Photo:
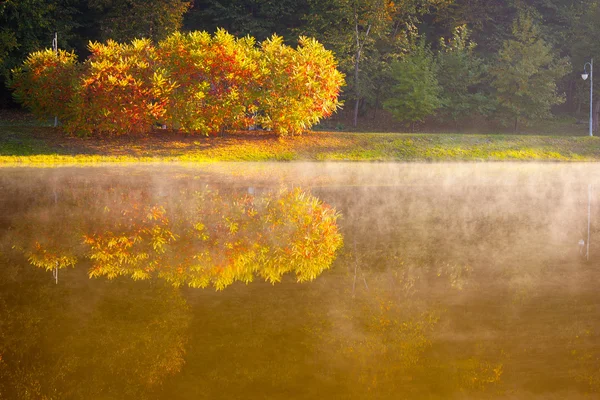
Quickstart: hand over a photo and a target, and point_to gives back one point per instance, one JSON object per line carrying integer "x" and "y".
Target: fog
{"x": 339, "y": 280}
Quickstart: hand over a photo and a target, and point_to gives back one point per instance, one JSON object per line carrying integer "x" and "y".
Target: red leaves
{"x": 193, "y": 82}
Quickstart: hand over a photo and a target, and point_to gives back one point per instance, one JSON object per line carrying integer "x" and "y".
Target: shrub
{"x": 218, "y": 79}
{"x": 303, "y": 85}
{"x": 195, "y": 82}
{"x": 121, "y": 90}
{"x": 44, "y": 84}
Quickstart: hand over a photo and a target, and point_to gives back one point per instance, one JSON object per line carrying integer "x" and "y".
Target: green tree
{"x": 461, "y": 75}
{"x": 526, "y": 73}
{"x": 366, "y": 36}
{"x": 584, "y": 45}
{"x": 416, "y": 91}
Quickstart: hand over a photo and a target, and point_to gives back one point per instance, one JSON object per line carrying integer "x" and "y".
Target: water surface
{"x": 299, "y": 280}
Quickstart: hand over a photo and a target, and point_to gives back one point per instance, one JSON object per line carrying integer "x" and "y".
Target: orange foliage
{"x": 221, "y": 241}
{"x": 303, "y": 85}
{"x": 122, "y": 90}
{"x": 195, "y": 82}
{"x": 218, "y": 79}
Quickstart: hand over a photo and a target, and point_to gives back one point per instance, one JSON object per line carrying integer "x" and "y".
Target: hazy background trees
{"x": 474, "y": 45}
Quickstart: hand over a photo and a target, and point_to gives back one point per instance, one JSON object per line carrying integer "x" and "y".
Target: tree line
{"x": 514, "y": 61}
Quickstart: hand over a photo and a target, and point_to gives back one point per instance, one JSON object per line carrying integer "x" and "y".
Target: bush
{"x": 122, "y": 90}
{"x": 195, "y": 82}
{"x": 303, "y": 85}
{"x": 45, "y": 82}
{"x": 218, "y": 79}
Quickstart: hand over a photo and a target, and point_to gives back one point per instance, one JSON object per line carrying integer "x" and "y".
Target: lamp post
{"x": 55, "y": 48}
{"x": 585, "y": 76}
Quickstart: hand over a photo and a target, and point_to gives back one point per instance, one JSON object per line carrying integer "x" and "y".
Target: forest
{"x": 448, "y": 62}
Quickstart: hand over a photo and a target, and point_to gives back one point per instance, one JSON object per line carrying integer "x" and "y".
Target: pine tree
{"x": 526, "y": 73}
{"x": 416, "y": 92}
{"x": 461, "y": 77}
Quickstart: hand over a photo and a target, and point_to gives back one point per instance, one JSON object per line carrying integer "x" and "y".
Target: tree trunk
{"x": 376, "y": 105}
{"x": 516, "y": 125}
{"x": 359, "y": 46}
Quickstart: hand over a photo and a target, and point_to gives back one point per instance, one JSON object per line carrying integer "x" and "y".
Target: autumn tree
{"x": 45, "y": 83}
{"x": 121, "y": 90}
{"x": 301, "y": 85}
{"x": 218, "y": 80}
{"x": 526, "y": 73}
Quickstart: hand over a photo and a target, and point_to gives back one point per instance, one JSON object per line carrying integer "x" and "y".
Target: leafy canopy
{"x": 416, "y": 91}
{"x": 526, "y": 73}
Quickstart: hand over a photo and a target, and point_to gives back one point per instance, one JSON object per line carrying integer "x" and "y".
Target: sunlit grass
{"x": 45, "y": 146}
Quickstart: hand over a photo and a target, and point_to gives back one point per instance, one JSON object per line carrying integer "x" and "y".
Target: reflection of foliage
{"x": 222, "y": 241}
{"x": 121, "y": 345}
{"x": 135, "y": 340}
{"x": 209, "y": 239}
{"x": 391, "y": 345}
{"x": 50, "y": 260}
{"x": 588, "y": 361}
{"x": 136, "y": 249}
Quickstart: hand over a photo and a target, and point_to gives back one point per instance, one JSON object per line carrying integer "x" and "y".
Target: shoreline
{"x": 31, "y": 146}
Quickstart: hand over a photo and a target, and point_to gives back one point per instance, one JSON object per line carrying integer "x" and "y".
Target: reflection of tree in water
{"x": 205, "y": 238}
{"x": 384, "y": 343}
{"x": 116, "y": 341}
{"x": 584, "y": 350}
{"x": 505, "y": 280}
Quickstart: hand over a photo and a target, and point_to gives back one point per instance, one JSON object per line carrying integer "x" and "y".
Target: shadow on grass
{"x": 19, "y": 141}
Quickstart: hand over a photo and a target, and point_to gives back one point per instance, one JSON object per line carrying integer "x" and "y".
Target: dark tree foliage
{"x": 124, "y": 20}
{"x": 257, "y": 18}
{"x": 26, "y": 26}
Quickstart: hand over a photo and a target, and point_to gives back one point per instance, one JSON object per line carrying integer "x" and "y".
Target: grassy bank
{"x": 40, "y": 145}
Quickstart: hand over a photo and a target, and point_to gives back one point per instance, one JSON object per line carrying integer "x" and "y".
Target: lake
{"x": 300, "y": 281}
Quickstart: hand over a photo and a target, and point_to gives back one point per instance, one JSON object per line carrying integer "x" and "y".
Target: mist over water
{"x": 391, "y": 281}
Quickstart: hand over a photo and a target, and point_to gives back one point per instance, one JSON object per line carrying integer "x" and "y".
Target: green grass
{"x": 28, "y": 145}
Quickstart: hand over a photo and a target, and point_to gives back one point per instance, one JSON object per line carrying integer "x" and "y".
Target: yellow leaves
{"x": 226, "y": 240}
{"x": 49, "y": 260}
{"x": 198, "y": 82}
